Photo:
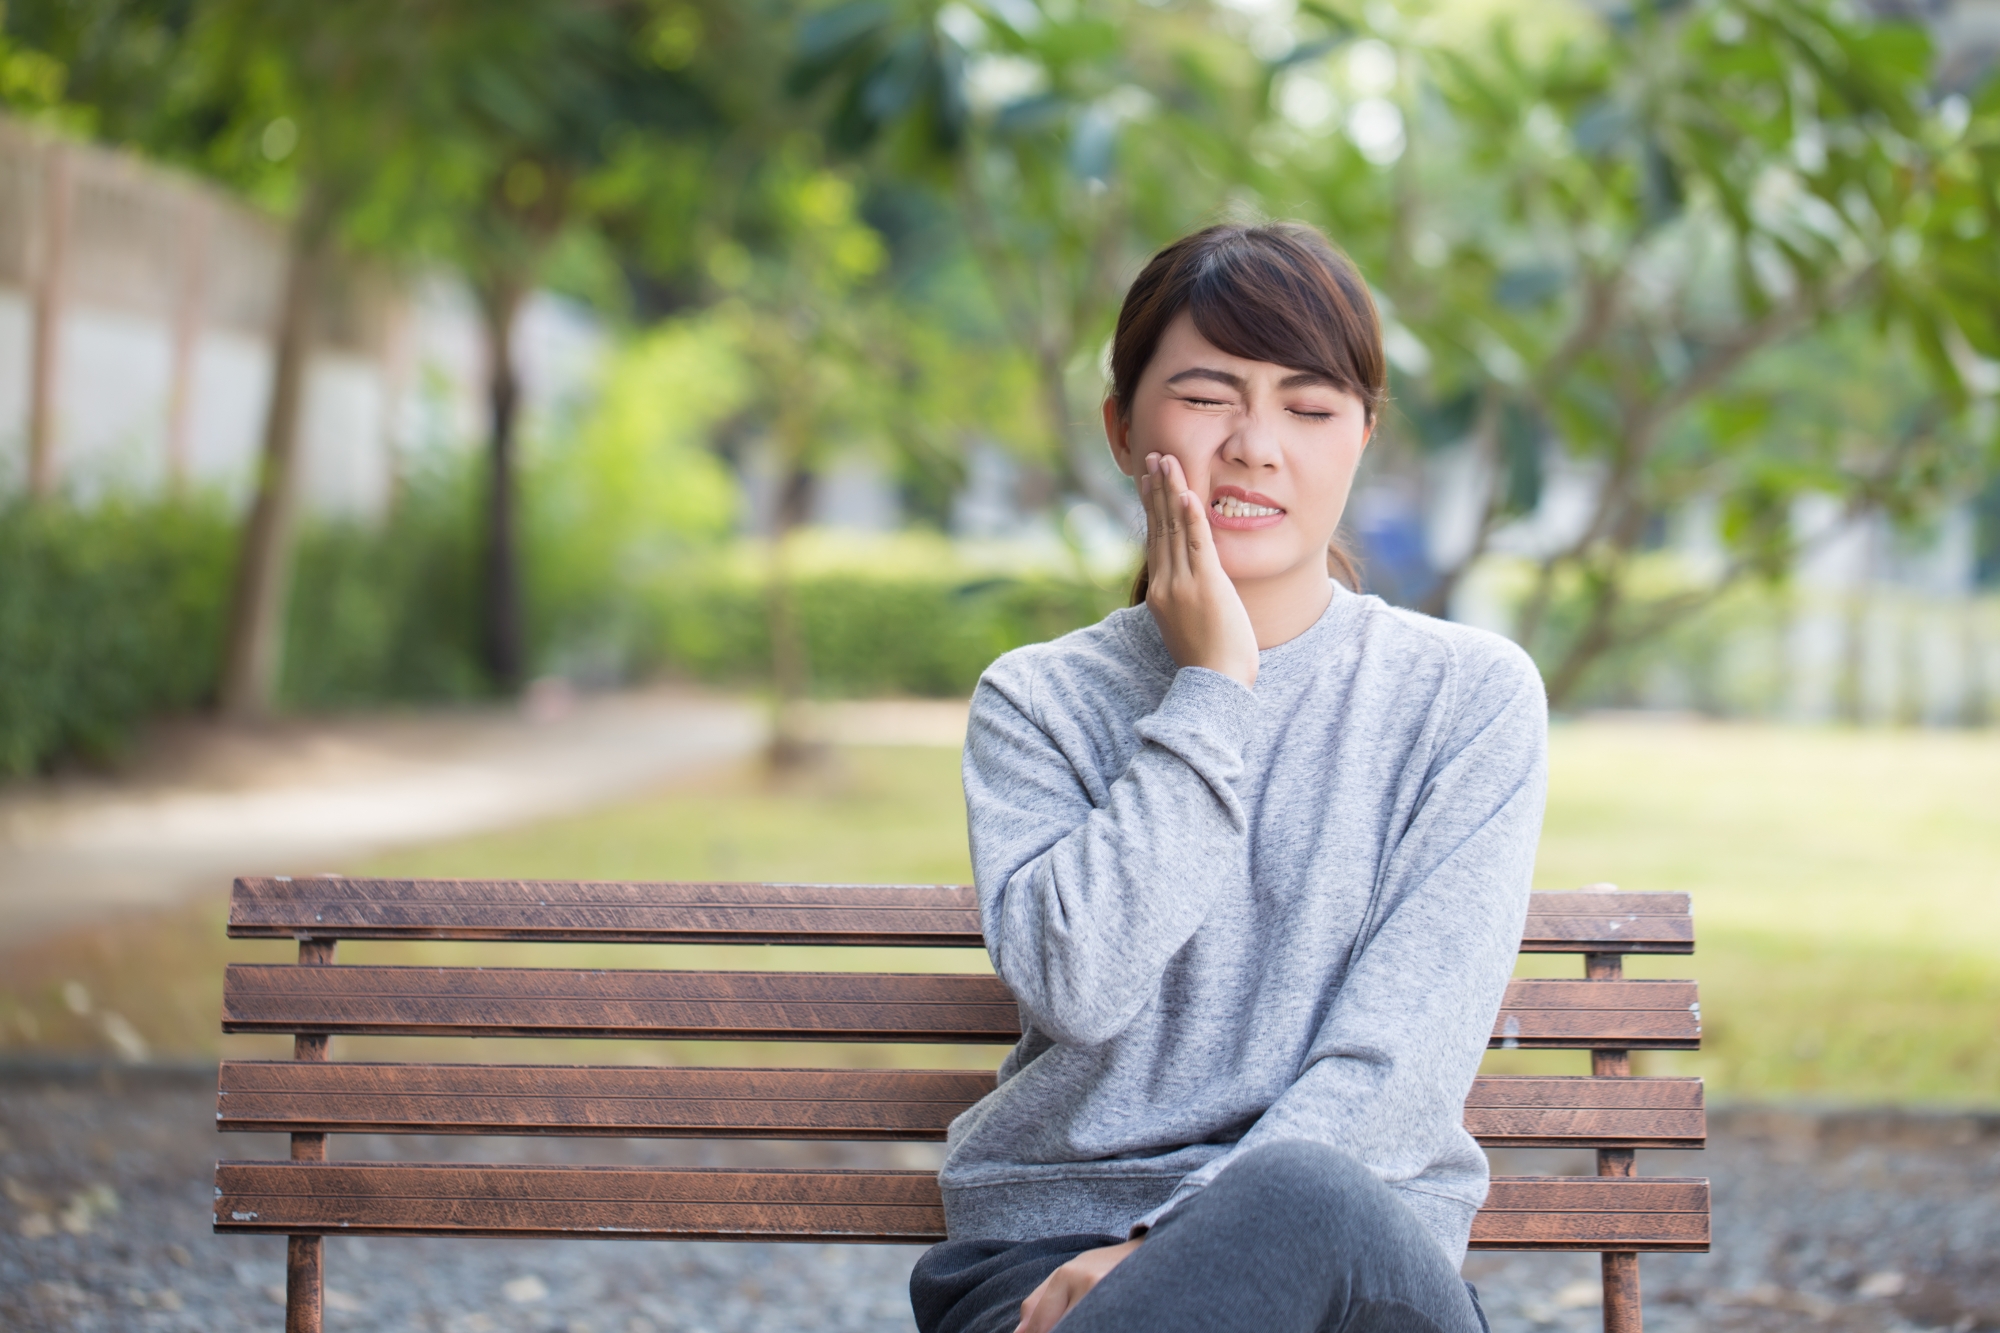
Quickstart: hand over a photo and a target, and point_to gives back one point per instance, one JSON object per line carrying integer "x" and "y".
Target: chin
{"x": 1249, "y": 561}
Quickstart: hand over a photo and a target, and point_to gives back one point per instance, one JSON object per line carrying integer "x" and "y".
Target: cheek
{"x": 1325, "y": 475}
{"x": 1178, "y": 434}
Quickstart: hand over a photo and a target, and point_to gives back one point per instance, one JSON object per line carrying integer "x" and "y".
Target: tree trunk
{"x": 253, "y": 654}
{"x": 504, "y": 625}
{"x": 1597, "y": 637}
{"x": 792, "y": 744}
{"x": 50, "y": 296}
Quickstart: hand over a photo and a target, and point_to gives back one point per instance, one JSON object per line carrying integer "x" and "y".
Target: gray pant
{"x": 1292, "y": 1238}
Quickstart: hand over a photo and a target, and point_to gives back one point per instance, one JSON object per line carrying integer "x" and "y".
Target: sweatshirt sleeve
{"x": 1386, "y": 1076}
{"x": 1083, "y": 901}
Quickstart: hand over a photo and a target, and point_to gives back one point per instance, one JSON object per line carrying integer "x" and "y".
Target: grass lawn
{"x": 1846, "y": 893}
{"x": 1847, "y": 901}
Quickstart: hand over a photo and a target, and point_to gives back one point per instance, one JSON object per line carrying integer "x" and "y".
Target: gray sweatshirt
{"x": 1234, "y": 917}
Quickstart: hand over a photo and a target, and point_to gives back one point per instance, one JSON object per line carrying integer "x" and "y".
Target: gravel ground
{"x": 1849, "y": 1221}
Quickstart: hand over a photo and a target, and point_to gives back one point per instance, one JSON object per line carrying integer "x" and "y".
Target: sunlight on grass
{"x": 1846, "y": 895}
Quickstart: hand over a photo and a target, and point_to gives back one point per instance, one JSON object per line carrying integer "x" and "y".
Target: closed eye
{"x": 1309, "y": 415}
{"x": 1204, "y": 402}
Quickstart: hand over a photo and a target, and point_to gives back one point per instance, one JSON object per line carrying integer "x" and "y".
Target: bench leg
{"x": 1621, "y": 1293}
{"x": 305, "y": 1271}
{"x": 303, "y": 1283}
{"x": 1621, "y": 1267}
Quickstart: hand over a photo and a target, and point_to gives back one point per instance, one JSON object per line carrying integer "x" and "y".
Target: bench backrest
{"x": 315, "y": 1000}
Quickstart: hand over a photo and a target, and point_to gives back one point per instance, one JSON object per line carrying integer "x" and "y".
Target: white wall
{"x": 398, "y": 367}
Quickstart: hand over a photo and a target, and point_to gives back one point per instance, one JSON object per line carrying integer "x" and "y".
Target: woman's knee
{"x": 1298, "y": 1176}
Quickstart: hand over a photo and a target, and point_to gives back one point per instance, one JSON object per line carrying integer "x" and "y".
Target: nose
{"x": 1253, "y": 444}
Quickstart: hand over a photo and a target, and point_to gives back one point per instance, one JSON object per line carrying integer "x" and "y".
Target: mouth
{"x": 1239, "y": 510}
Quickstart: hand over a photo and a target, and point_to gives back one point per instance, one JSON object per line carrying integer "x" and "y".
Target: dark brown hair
{"x": 1281, "y": 293}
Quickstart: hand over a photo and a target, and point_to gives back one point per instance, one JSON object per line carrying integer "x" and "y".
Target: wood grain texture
{"x": 1593, "y": 1213}
{"x": 1622, "y": 1310}
{"x": 637, "y": 912}
{"x": 578, "y": 1201}
{"x": 1578, "y": 1112}
{"x": 560, "y": 1002}
{"x": 1608, "y": 923}
{"x": 402, "y": 1199}
{"x": 586, "y": 1101}
{"x": 819, "y": 1006}
{"x": 849, "y": 1104}
{"x": 729, "y": 913}
{"x": 1587, "y": 1015}
{"x": 305, "y": 1284}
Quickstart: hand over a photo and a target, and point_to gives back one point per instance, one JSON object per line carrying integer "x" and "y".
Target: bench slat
{"x": 1571, "y": 1014}
{"x": 821, "y": 1006}
{"x": 406, "y": 1199}
{"x": 1593, "y": 1213}
{"x": 853, "y": 1104}
{"x": 559, "y": 1002}
{"x": 1608, "y": 923}
{"x": 843, "y": 914}
{"x": 624, "y": 1101}
{"x": 1561, "y": 1111}
{"x": 648, "y": 912}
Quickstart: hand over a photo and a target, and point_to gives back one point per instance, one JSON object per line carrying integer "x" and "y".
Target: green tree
{"x": 540, "y": 96}
{"x": 298, "y": 106}
{"x": 1071, "y": 141}
{"x": 1600, "y": 236}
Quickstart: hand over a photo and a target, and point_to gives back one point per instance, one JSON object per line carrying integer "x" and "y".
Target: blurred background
{"x": 538, "y": 438}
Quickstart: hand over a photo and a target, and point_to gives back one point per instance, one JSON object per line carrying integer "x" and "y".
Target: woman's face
{"x": 1270, "y": 449}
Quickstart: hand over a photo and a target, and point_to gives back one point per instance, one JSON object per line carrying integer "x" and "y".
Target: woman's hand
{"x": 1069, "y": 1284}
{"x": 1192, "y": 600}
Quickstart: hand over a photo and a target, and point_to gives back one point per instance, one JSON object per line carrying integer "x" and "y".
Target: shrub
{"x": 388, "y": 611}
{"x": 865, "y": 632}
{"x": 116, "y": 613}
{"x": 107, "y": 615}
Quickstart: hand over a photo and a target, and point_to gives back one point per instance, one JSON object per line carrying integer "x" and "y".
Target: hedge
{"x": 113, "y": 614}
{"x": 865, "y": 634}
{"x": 106, "y": 616}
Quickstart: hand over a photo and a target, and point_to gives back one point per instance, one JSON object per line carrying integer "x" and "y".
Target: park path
{"x": 200, "y": 803}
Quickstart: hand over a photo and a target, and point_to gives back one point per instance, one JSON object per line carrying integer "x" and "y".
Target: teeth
{"x": 1231, "y": 507}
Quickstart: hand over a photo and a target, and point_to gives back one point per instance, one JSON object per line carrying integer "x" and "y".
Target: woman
{"x": 1253, "y": 854}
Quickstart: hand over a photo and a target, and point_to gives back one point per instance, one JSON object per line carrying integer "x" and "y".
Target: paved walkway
{"x": 202, "y": 803}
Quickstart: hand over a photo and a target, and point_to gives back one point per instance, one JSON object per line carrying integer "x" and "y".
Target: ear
{"x": 1118, "y": 434}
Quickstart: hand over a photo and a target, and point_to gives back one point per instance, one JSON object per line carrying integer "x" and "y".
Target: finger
{"x": 1029, "y": 1306}
{"x": 1170, "y": 505}
{"x": 1050, "y": 1309}
{"x": 1149, "y": 500}
{"x": 1145, "y": 484}
{"x": 1159, "y": 526}
{"x": 1183, "y": 520}
{"x": 1200, "y": 536}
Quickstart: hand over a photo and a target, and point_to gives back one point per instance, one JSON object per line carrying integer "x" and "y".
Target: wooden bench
{"x": 308, "y": 1197}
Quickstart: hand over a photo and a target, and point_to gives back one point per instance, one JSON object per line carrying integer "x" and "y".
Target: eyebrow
{"x": 1299, "y": 379}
